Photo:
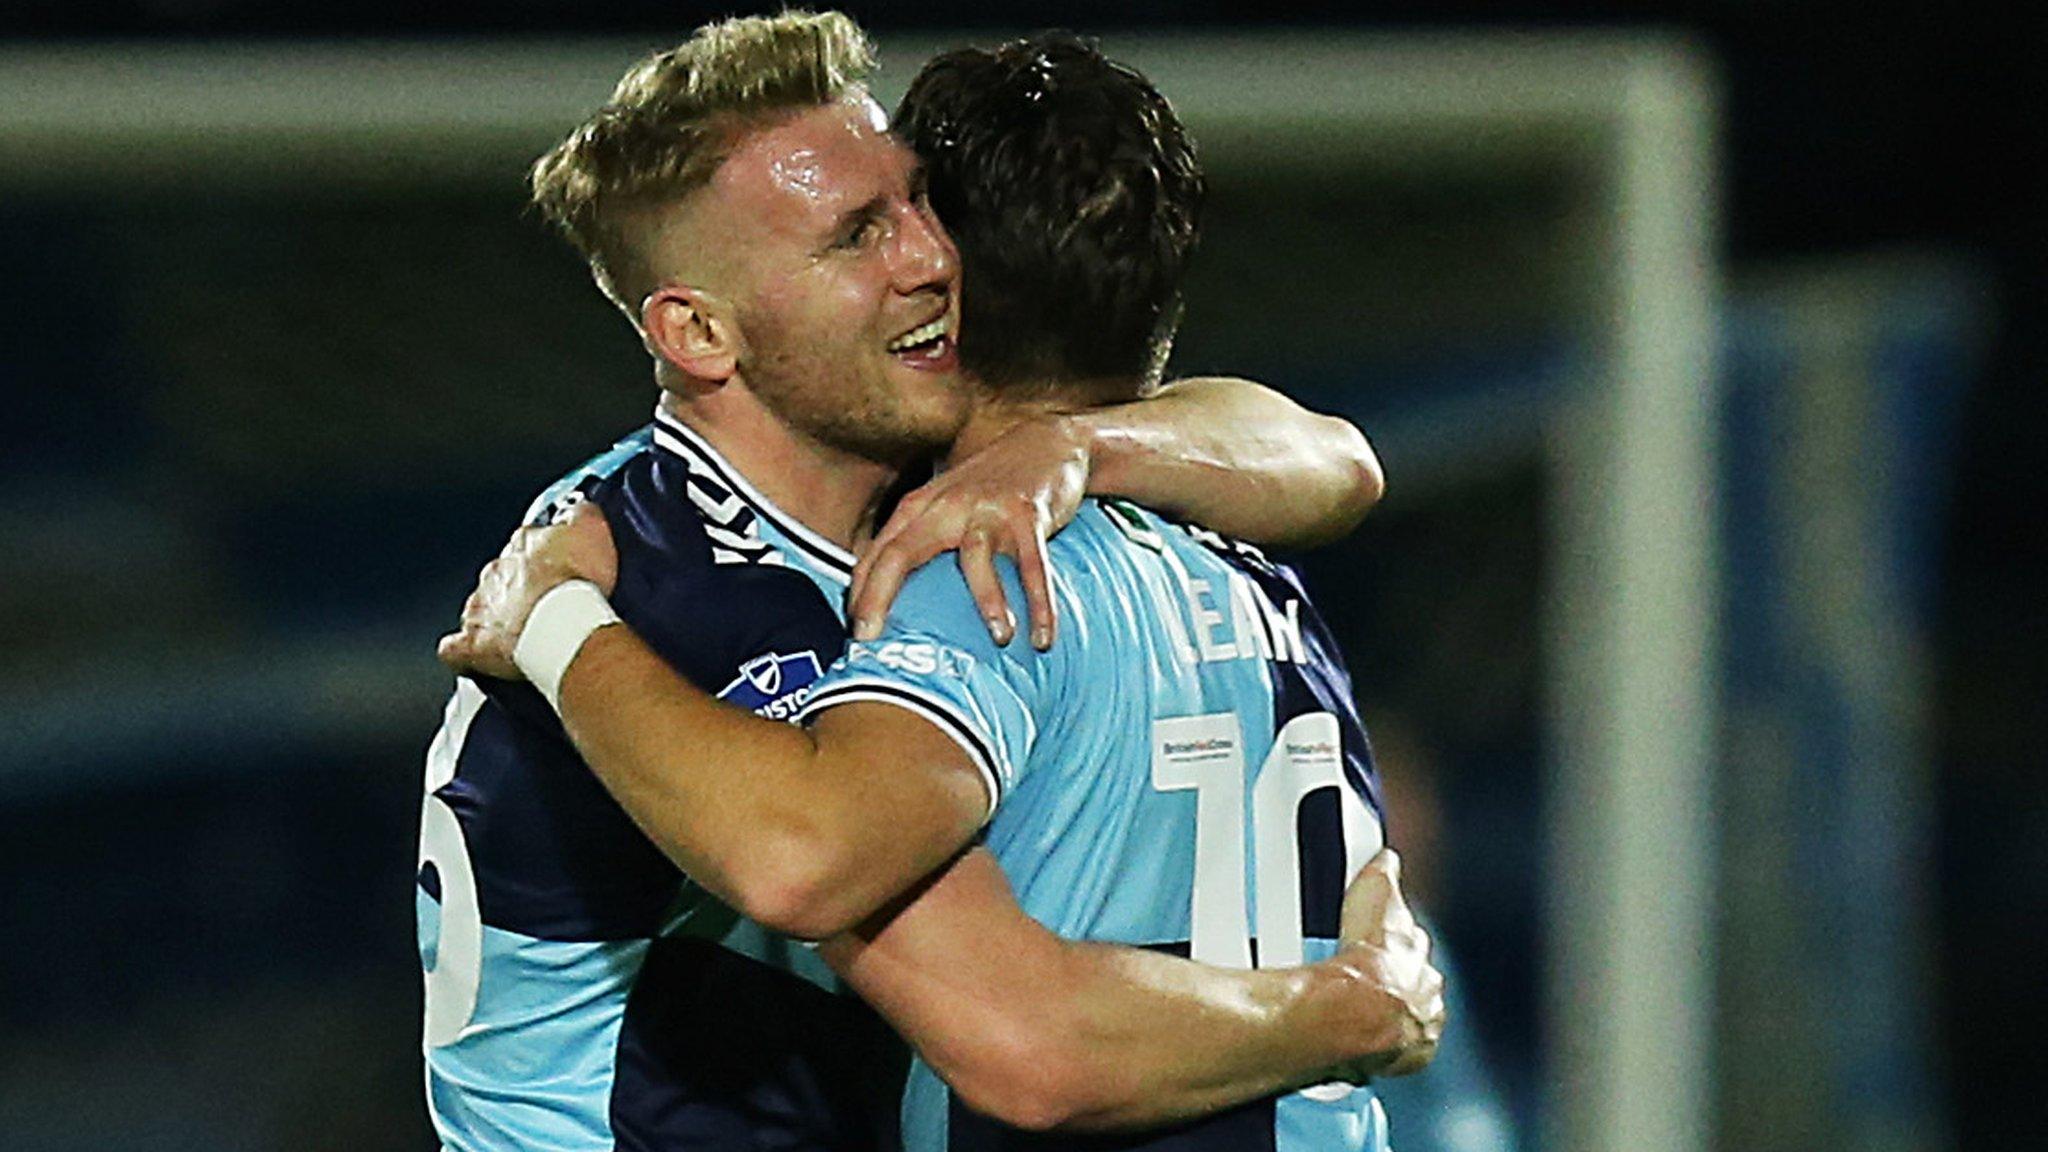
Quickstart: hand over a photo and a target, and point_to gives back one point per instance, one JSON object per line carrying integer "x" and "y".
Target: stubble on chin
{"x": 865, "y": 418}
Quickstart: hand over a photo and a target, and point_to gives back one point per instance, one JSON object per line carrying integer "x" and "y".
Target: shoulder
{"x": 661, "y": 538}
{"x": 1117, "y": 526}
{"x": 599, "y": 474}
{"x": 1228, "y": 548}
{"x": 1228, "y": 551}
{"x": 935, "y": 602}
{"x": 1112, "y": 536}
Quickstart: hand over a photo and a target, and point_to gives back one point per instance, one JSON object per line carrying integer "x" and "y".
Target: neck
{"x": 832, "y": 492}
{"x": 988, "y": 423}
{"x": 995, "y": 414}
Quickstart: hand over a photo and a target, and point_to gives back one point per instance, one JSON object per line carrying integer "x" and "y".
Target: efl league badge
{"x": 774, "y": 685}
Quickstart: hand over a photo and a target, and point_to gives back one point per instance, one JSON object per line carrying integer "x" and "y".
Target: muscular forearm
{"x": 1041, "y": 1032}
{"x": 755, "y": 810}
{"x": 1235, "y": 457}
{"x": 1169, "y": 1040}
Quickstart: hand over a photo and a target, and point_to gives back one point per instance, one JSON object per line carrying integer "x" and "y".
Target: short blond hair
{"x": 674, "y": 118}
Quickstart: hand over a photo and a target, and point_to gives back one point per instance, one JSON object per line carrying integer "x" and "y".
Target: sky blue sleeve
{"x": 935, "y": 658}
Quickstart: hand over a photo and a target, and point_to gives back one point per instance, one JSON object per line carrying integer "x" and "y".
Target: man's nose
{"x": 925, "y": 256}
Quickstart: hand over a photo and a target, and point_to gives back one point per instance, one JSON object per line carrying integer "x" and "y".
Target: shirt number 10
{"x": 1206, "y": 753}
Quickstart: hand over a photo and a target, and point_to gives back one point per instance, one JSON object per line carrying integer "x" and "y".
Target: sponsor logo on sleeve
{"x": 912, "y": 657}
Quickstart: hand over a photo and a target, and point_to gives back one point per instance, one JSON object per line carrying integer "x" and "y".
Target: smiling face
{"x": 844, "y": 286}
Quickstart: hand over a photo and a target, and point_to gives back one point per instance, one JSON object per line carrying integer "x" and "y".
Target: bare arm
{"x": 1238, "y": 458}
{"x": 1044, "y": 1033}
{"x": 1231, "y": 455}
{"x": 779, "y": 821}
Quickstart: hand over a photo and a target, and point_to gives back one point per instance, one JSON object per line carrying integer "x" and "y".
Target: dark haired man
{"x": 1074, "y": 197}
{"x": 1198, "y": 705}
{"x": 930, "y": 759}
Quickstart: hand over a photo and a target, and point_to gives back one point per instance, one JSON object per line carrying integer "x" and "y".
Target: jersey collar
{"x": 697, "y": 453}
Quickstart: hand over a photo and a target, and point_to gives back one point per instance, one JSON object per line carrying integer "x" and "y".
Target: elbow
{"x": 1028, "y": 1088}
{"x": 794, "y": 884}
{"x": 1365, "y": 481}
{"x": 1351, "y": 482}
{"x": 1027, "y": 1112}
{"x": 791, "y": 908}
{"x": 1042, "y": 1072}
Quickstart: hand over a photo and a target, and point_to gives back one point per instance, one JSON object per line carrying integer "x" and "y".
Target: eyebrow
{"x": 874, "y": 209}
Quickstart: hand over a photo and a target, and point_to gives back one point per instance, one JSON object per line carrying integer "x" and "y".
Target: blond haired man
{"x": 742, "y": 203}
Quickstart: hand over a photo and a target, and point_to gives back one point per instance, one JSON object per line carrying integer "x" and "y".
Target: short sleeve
{"x": 936, "y": 658}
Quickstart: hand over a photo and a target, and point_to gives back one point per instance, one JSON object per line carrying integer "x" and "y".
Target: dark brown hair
{"x": 1074, "y": 195}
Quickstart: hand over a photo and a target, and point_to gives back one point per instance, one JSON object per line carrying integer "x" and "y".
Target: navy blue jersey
{"x": 1184, "y": 770}
{"x": 582, "y": 993}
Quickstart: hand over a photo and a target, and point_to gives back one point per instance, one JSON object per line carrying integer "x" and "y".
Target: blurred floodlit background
{"x": 1699, "y": 632}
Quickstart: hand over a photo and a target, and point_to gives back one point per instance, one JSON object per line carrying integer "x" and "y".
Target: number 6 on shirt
{"x": 459, "y": 948}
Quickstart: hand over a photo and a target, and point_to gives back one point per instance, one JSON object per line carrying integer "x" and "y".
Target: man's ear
{"x": 693, "y": 330}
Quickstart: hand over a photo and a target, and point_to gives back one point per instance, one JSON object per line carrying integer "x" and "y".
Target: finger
{"x": 856, "y": 598}
{"x": 909, "y": 511}
{"x": 1413, "y": 1058}
{"x": 1428, "y": 982}
{"x": 889, "y": 564}
{"x": 873, "y": 553}
{"x": 872, "y": 597}
{"x": 978, "y": 565}
{"x": 1424, "y": 1032}
{"x": 454, "y": 651}
{"x": 909, "y": 514}
{"x": 1034, "y": 569}
{"x": 490, "y": 586}
{"x": 917, "y": 501}
{"x": 1400, "y": 921}
{"x": 579, "y": 546}
{"x": 1429, "y": 1028}
{"x": 861, "y": 564}
{"x": 1363, "y": 913}
{"x": 1433, "y": 998}
{"x": 586, "y": 520}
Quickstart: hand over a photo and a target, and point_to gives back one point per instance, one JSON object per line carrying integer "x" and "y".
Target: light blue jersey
{"x": 1184, "y": 771}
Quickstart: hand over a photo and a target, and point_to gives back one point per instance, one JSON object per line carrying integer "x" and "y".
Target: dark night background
{"x": 1850, "y": 128}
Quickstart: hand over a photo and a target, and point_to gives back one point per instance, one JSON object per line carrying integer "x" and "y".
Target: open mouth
{"x": 925, "y": 345}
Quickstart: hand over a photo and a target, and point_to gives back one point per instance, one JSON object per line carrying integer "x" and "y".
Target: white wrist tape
{"x": 561, "y": 620}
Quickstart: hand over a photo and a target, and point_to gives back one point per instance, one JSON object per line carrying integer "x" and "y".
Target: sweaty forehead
{"x": 807, "y": 170}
